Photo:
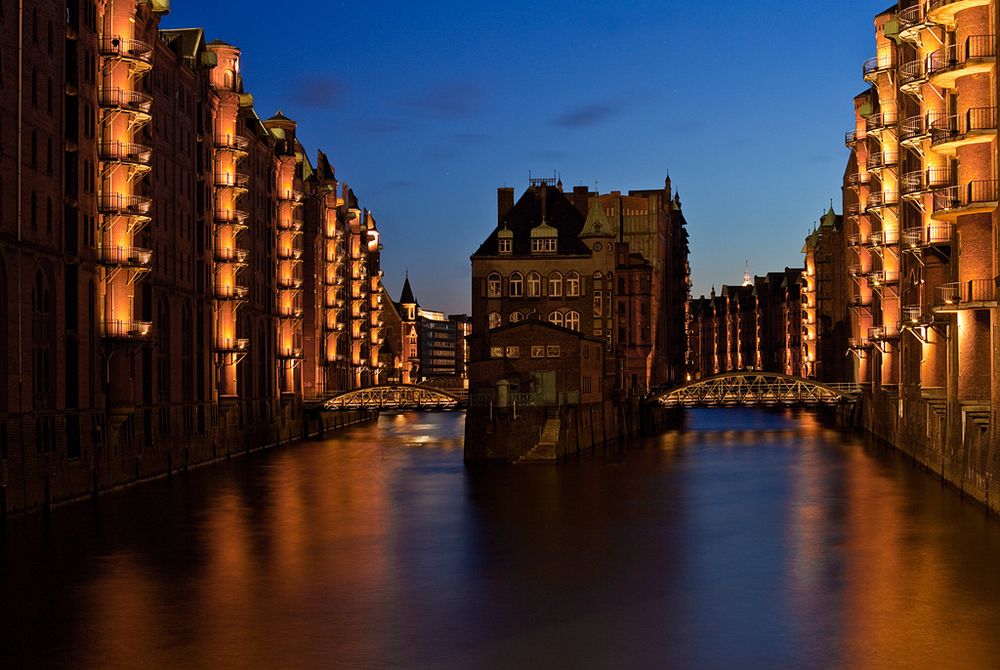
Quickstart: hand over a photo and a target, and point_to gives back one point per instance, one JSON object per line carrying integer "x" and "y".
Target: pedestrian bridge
{"x": 732, "y": 389}
{"x": 393, "y": 396}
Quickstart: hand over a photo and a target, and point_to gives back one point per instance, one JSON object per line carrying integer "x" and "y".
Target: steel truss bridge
{"x": 395, "y": 396}
{"x": 733, "y": 389}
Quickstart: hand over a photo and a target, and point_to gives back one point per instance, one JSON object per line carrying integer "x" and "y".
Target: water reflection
{"x": 748, "y": 539}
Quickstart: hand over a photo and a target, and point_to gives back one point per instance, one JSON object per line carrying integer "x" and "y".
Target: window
{"x": 598, "y": 304}
{"x": 495, "y": 320}
{"x": 572, "y": 285}
{"x": 552, "y": 351}
{"x": 536, "y": 246}
{"x": 586, "y": 385}
{"x": 556, "y": 318}
{"x": 555, "y": 285}
{"x": 515, "y": 286}
{"x": 513, "y": 352}
{"x": 573, "y": 320}
{"x": 496, "y": 352}
{"x": 42, "y": 334}
{"x": 493, "y": 285}
{"x": 506, "y": 245}
{"x": 538, "y": 351}
{"x": 515, "y": 317}
{"x": 48, "y": 101}
{"x": 534, "y": 285}
{"x": 550, "y": 245}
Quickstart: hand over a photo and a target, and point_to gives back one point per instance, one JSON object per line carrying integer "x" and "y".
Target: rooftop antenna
{"x": 746, "y": 274}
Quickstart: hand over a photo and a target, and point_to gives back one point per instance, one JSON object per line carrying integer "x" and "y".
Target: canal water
{"x": 748, "y": 539}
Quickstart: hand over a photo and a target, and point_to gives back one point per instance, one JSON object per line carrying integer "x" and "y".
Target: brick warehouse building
{"x": 177, "y": 278}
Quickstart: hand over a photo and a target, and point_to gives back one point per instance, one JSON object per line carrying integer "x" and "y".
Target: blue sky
{"x": 426, "y": 107}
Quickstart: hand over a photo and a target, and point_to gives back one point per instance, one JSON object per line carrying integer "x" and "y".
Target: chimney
{"x": 505, "y": 202}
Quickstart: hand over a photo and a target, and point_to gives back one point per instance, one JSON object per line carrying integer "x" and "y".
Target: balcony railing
{"x": 117, "y": 98}
{"x": 230, "y": 216}
{"x": 287, "y": 312}
{"x": 289, "y": 223}
{"x": 880, "y": 120}
{"x": 882, "y": 159}
{"x": 912, "y": 73}
{"x": 289, "y": 254}
{"x": 126, "y": 330}
{"x": 913, "y": 128}
{"x": 232, "y": 180}
{"x": 125, "y": 152}
{"x": 855, "y": 240}
{"x": 853, "y": 137}
{"x": 877, "y": 64}
{"x": 231, "y": 142}
{"x": 951, "y": 128}
{"x": 880, "y": 199}
{"x": 234, "y": 292}
{"x": 969, "y": 294}
{"x": 127, "y": 205}
{"x": 289, "y": 353}
{"x": 944, "y": 10}
{"x": 858, "y": 343}
{"x": 937, "y": 234}
{"x": 232, "y": 255}
{"x": 115, "y": 46}
{"x": 861, "y": 301}
{"x": 920, "y": 181}
{"x": 883, "y": 277}
{"x": 883, "y": 238}
{"x": 911, "y": 18}
{"x": 289, "y": 283}
{"x": 855, "y": 270}
{"x": 976, "y": 194}
{"x": 232, "y": 344}
{"x": 290, "y": 196}
{"x": 912, "y": 315}
{"x": 976, "y": 48}
{"x": 136, "y": 257}
{"x": 858, "y": 179}
{"x": 854, "y": 209}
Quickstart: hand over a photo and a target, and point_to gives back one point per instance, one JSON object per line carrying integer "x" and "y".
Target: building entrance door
{"x": 544, "y": 387}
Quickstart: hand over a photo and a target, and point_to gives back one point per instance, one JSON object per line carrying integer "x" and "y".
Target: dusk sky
{"x": 426, "y": 108}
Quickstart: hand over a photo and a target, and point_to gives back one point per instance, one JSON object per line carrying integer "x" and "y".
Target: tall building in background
{"x": 826, "y": 313}
{"x": 921, "y": 197}
{"x": 178, "y": 280}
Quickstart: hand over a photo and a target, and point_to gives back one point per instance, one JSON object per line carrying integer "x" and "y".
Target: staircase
{"x": 545, "y": 450}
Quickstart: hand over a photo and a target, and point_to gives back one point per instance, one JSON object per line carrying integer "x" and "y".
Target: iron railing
{"x": 115, "y": 46}
{"x": 129, "y": 205}
{"x": 234, "y": 142}
{"x": 979, "y": 192}
{"x": 231, "y": 344}
{"x": 876, "y": 64}
{"x": 124, "y": 256}
{"x": 233, "y": 292}
{"x": 969, "y": 292}
{"x": 882, "y": 199}
{"x": 952, "y": 128}
{"x": 927, "y": 236}
{"x": 882, "y": 159}
{"x": 975, "y": 48}
{"x": 126, "y": 329}
{"x": 125, "y": 152}
{"x": 117, "y": 98}
{"x": 231, "y": 255}
{"x": 232, "y": 180}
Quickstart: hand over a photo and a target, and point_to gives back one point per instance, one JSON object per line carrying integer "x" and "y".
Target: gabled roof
{"x": 597, "y": 224}
{"x": 186, "y": 41}
{"x": 527, "y": 214}
{"x": 406, "y": 296}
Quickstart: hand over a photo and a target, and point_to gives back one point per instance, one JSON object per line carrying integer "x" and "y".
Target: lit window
{"x": 552, "y": 351}
{"x": 516, "y": 316}
{"x": 496, "y": 352}
{"x": 506, "y": 245}
{"x": 513, "y": 352}
{"x": 556, "y": 318}
{"x": 493, "y": 285}
{"x": 598, "y": 304}
{"x": 550, "y": 245}
{"x": 495, "y": 320}
{"x": 555, "y": 285}
{"x": 572, "y": 285}
{"x": 538, "y": 351}
{"x": 534, "y": 285}
{"x": 573, "y": 320}
{"x": 516, "y": 285}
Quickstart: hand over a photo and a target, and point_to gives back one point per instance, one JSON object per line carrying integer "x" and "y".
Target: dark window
{"x": 34, "y": 88}
{"x": 48, "y": 215}
{"x": 42, "y": 332}
{"x": 48, "y": 155}
{"x": 48, "y": 102}
{"x": 34, "y": 210}
{"x": 34, "y": 149}
{"x": 51, "y": 44}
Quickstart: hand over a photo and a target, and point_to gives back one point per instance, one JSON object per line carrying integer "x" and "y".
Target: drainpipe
{"x": 20, "y": 215}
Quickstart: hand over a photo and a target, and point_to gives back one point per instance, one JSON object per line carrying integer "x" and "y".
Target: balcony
{"x": 976, "y": 197}
{"x": 289, "y": 254}
{"x": 881, "y": 160}
{"x": 976, "y": 126}
{"x": 913, "y": 315}
{"x": 289, "y": 353}
{"x": 128, "y": 101}
{"x": 855, "y": 240}
{"x": 231, "y": 217}
{"x": 882, "y": 333}
{"x": 969, "y": 294}
{"x": 879, "y": 122}
{"x": 876, "y": 65}
{"x": 853, "y": 137}
{"x": 912, "y": 21}
{"x": 854, "y": 209}
{"x": 913, "y": 131}
{"x": 912, "y": 75}
{"x": 936, "y": 235}
{"x": 975, "y": 56}
{"x": 292, "y": 223}
{"x": 918, "y": 182}
{"x": 137, "y": 53}
{"x": 879, "y": 278}
{"x": 883, "y": 238}
{"x": 129, "y": 257}
{"x": 856, "y": 179}
{"x": 235, "y": 180}
{"x": 129, "y": 153}
{"x": 291, "y": 196}
{"x": 881, "y": 199}
{"x": 232, "y": 345}
{"x": 289, "y": 283}
{"x": 232, "y": 255}
{"x": 858, "y": 343}
{"x": 861, "y": 301}
{"x": 233, "y": 143}
{"x": 234, "y": 292}
{"x": 855, "y": 270}
{"x": 126, "y": 330}
{"x": 124, "y": 205}
{"x": 943, "y": 12}
{"x": 287, "y": 312}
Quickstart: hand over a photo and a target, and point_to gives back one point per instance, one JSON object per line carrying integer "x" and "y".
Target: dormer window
{"x": 506, "y": 245}
{"x": 544, "y": 239}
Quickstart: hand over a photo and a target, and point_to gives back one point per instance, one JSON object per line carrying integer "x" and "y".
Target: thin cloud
{"x": 319, "y": 91}
{"x": 586, "y": 115}
{"x": 455, "y": 100}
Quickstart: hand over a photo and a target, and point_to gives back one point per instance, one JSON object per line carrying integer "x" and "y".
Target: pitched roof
{"x": 527, "y": 214}
{"x": 406, "y": 297}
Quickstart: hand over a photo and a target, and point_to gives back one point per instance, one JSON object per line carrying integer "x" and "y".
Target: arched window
{"x": 555, "y": 285}
{"x": 515, "y": 285}
{"x": 516, "y": 317}
{"x": 572, "y": 285}
{"x": 42, "y": 334}
{"x": 597, "y": 278}
{"x": 495, "y": 320}
{"x": 573, "y": 320}
{"x": 556, "y": 318}
{"x": 493, "y": 285}
{"x": 534, "y": 285}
